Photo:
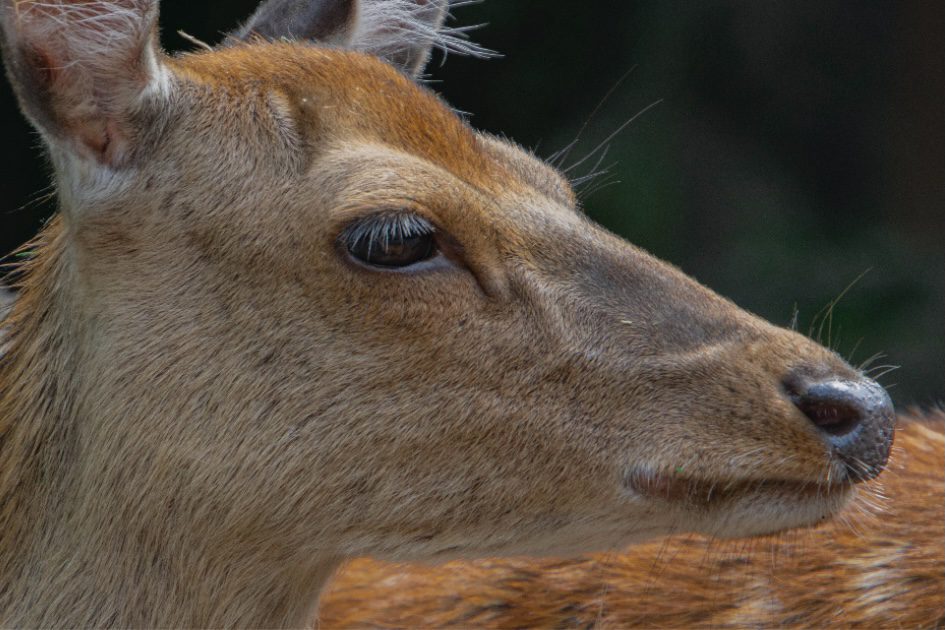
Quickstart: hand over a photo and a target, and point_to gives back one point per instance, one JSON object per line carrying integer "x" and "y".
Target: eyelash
{"x": 383, "y": 228}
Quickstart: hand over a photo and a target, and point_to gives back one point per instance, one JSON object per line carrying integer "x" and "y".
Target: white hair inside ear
{"x": 403, "y": 32}
{"x": 83, "y": 71}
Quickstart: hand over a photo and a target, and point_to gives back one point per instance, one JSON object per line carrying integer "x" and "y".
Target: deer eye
{"x": 390, "y": 240}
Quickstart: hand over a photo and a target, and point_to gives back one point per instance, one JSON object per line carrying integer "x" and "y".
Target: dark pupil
{"x": 397, "y": 251}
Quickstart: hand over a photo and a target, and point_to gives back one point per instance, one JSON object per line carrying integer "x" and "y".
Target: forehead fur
{"x": 344, "y": 96}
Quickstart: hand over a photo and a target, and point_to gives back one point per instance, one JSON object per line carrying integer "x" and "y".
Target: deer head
{"x": 296, "y": 310}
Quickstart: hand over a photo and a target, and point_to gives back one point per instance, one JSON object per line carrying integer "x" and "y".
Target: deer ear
{"x": 326, "y": 21}
{"x": 81, "y": 68}
{"x": 401, "y": 31}
{"x": 405, "y": 38}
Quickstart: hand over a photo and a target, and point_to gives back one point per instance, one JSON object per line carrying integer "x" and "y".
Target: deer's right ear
{"x": 81, "y": 70}
{"x": 403, "y": 32}
{"x": 327, "y": 21}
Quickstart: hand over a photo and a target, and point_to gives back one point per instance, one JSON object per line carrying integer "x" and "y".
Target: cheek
{"x": 381, "y": 307}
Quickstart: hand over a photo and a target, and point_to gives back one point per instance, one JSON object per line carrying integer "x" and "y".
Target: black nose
{"x": 856, "y": 417}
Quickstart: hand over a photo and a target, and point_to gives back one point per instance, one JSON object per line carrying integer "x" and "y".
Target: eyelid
{"x": 384, "y": 226}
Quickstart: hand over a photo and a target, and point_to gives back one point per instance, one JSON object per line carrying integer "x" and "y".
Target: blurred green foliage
{"x": 794, "y": 147}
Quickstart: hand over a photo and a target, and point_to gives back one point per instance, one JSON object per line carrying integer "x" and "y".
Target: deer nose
{"x": 855, "y": 417}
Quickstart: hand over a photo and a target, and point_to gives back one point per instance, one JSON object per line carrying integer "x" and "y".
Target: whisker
{"x": 599, "y": 186}
{"x": 852, "y": 352}
{"x": 562, "y": 155}
{"x": 826, "y": 313}
{"x": 594, "y": 172}
{"x": 870, "y": 360}
{"x": 613, "y": 135}
{"x": 888, "y": 369}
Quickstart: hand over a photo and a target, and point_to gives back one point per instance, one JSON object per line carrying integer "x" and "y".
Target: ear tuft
{"x": 404, "y": 32}
{"x": 80, "y": 67}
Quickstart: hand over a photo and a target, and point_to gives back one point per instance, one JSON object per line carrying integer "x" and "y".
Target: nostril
{"x": 835, "y": 407}
{"x": 855, "y": 416}
{"x": 834, "y": 417}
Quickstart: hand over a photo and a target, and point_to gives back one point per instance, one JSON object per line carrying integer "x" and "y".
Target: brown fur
{"x": 206, "y": 404}
{"x": 880, "y": 565}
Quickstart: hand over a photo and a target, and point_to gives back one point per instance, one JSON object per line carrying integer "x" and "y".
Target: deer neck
{"x": 73, "y": 555}
{"x": 114, "y": 579}
{"x": 36, "y": 409}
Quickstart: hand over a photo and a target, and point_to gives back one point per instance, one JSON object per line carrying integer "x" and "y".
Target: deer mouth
{"x": 704, "y": 495}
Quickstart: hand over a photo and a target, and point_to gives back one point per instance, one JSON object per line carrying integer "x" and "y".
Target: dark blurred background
{"x": 796, "y": 146}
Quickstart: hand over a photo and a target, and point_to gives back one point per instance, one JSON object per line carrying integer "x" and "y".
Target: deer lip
{"x": 694, "y": 492}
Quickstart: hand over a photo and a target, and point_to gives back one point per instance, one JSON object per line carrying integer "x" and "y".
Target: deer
{"x": 295, "y": 310}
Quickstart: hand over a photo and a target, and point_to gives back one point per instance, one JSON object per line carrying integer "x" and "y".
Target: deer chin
{"x": 741, "y": 508}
